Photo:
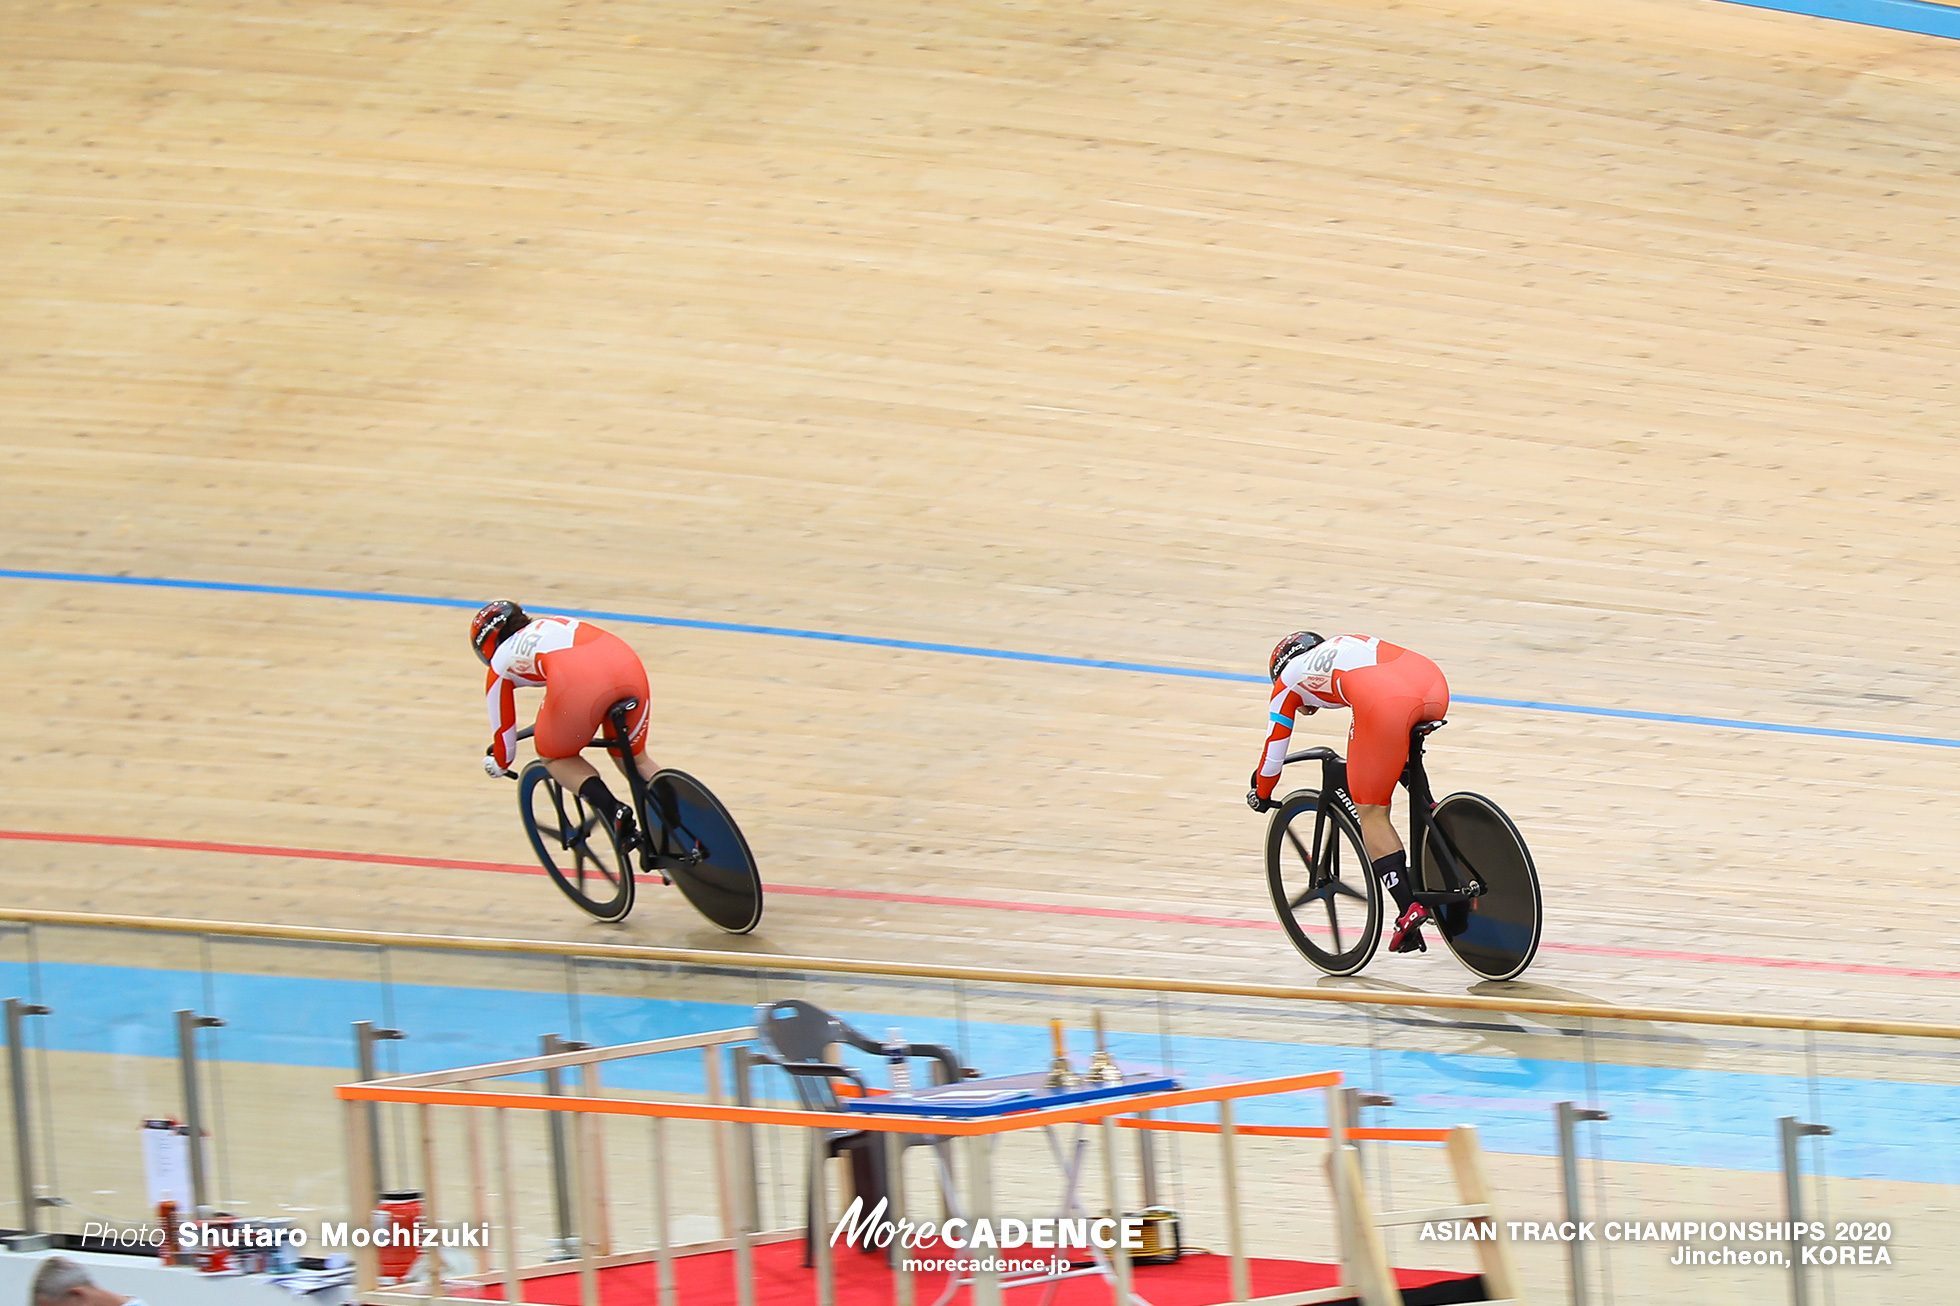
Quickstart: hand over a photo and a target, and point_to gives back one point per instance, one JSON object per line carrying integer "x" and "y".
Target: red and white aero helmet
{"x": 492, "y": 622}
{"x": 1289, "y": 648}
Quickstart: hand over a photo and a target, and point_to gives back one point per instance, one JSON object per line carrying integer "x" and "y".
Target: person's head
{"x": 1289, "y": 648}
{"x": 61, "y": 1282}
{"x": 493, "y": 622}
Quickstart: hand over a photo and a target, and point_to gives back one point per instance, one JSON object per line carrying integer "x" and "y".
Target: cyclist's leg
{"x": 1378, "y": 830}
{"x": 584, "y": 681}
{"x": 1378, "y": 749}
{"x": 564, "y": 727}
{"x": 629, "y": 680}
{"x": 572, "y": 772}
{"x": 1388, "y": 700}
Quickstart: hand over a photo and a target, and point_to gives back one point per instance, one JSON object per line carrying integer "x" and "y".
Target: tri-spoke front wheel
{"x": 1323, "y": 887}
{"x": 575, "y": 846}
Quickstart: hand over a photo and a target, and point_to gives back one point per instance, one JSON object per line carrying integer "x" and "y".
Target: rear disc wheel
{"x": 702, "y": 850}
{"x": 1496, "y": 933}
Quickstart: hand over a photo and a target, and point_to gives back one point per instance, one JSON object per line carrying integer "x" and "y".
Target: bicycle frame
{"x": 1425, "y": 833}
{"x": 655, "y": 835}
{"x": 1462, "y": 885}
{"x": 616, "y": 745}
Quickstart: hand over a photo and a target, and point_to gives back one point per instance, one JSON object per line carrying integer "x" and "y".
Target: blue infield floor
{"x": 1688, "y": 1117}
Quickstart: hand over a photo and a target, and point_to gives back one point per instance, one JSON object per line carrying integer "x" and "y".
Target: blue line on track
{"x": 1898, "y": 15}
{"x": 1726, "y": 723}
{"x": 961, "y": 650}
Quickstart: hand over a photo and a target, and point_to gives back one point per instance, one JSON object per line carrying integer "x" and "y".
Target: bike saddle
{"x": 1313, "y": 755}
{"x": 1429, "y": 727}
{"x": 624, "y": 705}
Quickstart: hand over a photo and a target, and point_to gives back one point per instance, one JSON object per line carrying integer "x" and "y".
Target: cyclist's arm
{"x": 500, "y": 696}
{"x": 1285, "y": 705}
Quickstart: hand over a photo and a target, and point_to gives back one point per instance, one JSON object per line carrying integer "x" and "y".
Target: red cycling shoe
{"x": 1408, "y": 930}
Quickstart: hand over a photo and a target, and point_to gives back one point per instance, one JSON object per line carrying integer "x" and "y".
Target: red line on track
{"x": 266, "y": 850}
{"x": 932, "y": 900}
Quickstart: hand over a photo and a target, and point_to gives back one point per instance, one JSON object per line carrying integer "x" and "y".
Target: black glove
{"x": 1258, "y": 804}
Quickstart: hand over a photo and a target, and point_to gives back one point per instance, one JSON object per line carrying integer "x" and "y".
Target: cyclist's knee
{"x": 1377, "y": 830}
{"x": 570, "y": 772}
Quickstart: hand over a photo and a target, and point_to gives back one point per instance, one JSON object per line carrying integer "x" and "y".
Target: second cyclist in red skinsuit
{"x": 583, "y": 671}
{"x": 1390, "y": 690}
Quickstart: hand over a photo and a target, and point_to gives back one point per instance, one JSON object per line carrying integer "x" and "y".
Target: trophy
{"x": 1060, "y": 1073}
{"x": 1102, "y": 1067}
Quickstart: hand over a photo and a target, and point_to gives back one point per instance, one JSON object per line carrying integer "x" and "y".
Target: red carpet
{"x": 863, "y": 1280}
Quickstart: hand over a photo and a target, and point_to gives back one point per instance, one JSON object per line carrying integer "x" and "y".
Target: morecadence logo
{"x": 873, "y": 1228}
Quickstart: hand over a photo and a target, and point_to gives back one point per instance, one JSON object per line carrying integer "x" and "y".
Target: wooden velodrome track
{"x": 1602, "y": 351}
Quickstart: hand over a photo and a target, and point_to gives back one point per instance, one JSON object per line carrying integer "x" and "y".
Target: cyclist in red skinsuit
{"x": 584, "y": 671}
{"x": 1390, "y": 690}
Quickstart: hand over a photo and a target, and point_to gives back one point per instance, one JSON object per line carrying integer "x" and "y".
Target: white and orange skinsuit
{"x": 584, "y": 671}
{"x": 1390, "y": 690}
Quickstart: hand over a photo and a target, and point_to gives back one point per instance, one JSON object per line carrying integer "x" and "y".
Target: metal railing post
{"x": 1569, "y": 1115}
{"x": 564, "y": 1246}
{"x": 1789, "y": 1129}
{"x": 30, "y": 1201}
{"x": 820, "y": 1249}
{"x": 588, "y": 1266}
{"x": 366, "y": 1035}
{"x": 1354, "y": 1101}
{"x": 188, "y": 1023}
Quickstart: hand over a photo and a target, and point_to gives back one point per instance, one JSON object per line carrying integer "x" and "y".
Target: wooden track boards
{"x": 1600, "y": 352}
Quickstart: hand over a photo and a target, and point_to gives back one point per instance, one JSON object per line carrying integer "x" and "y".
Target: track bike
{"x": 686, "y": 837}
{"x": 1473, "y": 872}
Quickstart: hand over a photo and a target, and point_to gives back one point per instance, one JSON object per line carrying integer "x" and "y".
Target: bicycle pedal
{"x": 1410, "y": 942}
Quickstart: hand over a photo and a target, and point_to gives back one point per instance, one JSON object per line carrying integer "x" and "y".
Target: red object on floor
{"x": 400, "y": 1211}
{"x": 865, "y": 1280}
